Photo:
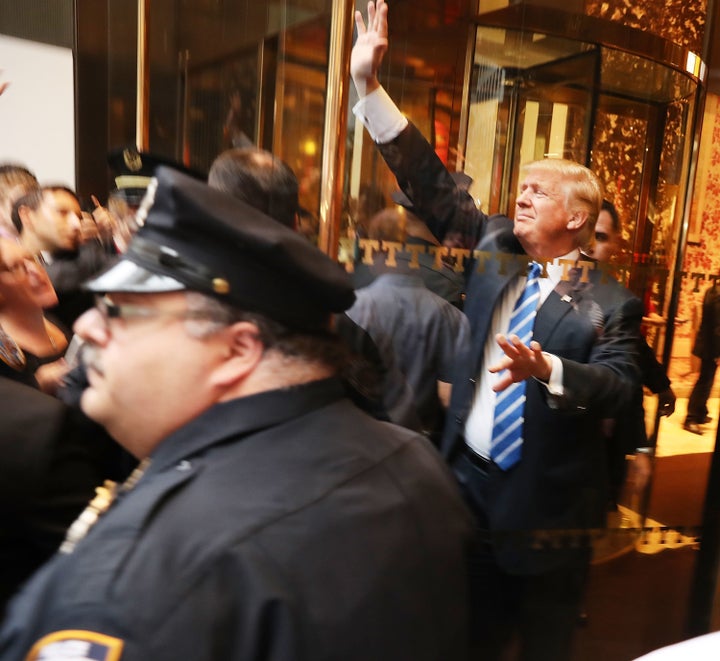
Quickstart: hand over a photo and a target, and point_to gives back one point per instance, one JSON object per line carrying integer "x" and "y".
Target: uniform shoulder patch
{"x": 76, "y": 645}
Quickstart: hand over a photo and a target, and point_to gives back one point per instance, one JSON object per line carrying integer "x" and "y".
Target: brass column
{"x": 142, "y": 113}
{"x": 335, "y": 131}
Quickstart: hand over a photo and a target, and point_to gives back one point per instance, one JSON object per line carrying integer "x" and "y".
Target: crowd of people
{"x": 219, "y": 445}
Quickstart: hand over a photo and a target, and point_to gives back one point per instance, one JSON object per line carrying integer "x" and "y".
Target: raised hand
{"x": 370, "y": 46}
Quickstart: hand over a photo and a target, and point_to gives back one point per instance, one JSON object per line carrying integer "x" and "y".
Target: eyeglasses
{"x": 109, "y": 310}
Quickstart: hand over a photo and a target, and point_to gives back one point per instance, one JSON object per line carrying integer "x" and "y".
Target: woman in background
{"x": 31, "y": 346}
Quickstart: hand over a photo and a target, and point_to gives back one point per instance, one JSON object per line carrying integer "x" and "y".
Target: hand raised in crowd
{"x": 370, "y": 46}
{"x": 105, "y": 221}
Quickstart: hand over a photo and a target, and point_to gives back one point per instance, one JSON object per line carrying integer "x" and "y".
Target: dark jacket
{"x": 707, "y": 340}
{"x": 282, "y": 526}
{"x": 50, "y": 464}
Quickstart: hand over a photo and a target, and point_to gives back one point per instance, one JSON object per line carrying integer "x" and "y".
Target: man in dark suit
{"x": 577, "y": 369}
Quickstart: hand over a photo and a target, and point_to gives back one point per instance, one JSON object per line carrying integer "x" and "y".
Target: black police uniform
{"x": 285, "y": 525}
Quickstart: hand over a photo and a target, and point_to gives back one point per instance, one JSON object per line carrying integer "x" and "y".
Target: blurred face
{"x": 607, "y": 240}
{"x": 541, "y": 216}
{"x": 148, "y": 376}
{"x": 23, "y": 281}
{"x": 57, "y": 223}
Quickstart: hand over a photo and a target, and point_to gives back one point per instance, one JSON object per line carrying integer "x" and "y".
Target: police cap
{"x": 197, "y": 238}
{"x": 133, "y": 169}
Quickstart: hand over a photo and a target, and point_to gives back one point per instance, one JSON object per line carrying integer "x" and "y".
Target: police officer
{"x": 269, "y": 518}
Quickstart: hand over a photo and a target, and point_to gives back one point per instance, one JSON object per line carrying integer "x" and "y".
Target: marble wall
{"x": 679, "y": 21}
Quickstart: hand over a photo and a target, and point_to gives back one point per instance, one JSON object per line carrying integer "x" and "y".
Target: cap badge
{"x": 132, "y": 159}
{"x": 220, "y": 286}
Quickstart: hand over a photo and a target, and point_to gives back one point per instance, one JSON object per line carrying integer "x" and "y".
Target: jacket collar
{"x": 238, "y": 418}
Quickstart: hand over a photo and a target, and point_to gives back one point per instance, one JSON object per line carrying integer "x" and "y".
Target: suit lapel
{"x": 550, "y": 314}
{"x": 565, "y": 298}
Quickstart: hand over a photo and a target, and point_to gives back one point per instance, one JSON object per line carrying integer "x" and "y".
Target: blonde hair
{"x": 582, "y": 189}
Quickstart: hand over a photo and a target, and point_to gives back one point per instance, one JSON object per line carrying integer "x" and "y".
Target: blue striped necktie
{"x": 506, "y": 443}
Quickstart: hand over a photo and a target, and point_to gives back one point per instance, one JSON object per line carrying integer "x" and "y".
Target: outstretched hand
{"x": 521, "y": 362}
{"x": 370, "y": 46}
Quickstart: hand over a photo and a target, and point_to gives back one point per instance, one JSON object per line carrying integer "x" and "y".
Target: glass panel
{"x": 629, "y": 119}
{"x": 300, "y": 102}
{"x": 641, "y": 154}
{"x": 122, "y": 73}
{"x": 260, "y": 80}
{"x": 530, "y": 97}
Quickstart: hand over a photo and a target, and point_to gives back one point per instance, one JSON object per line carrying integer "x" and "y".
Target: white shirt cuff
{"x": 380, "y": 116}
{"x": 555, "y": 382}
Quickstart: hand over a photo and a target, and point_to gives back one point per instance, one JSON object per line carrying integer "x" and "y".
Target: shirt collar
{"x": 559, "y": 266}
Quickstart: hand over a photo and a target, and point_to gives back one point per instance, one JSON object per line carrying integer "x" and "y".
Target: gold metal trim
{"x": 467, "y": 79}
{"x": 593, "y": 30}
{"x": 142, "y": 116}
{"x": 335, "y": 126}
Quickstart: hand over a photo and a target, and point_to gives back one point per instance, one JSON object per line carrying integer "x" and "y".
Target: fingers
{"x": 381, "y": 18}
{"x": 95, "y": 201}
{"x": 503, "y": 382}
{"x": 376, "y": 19}
{"x": 536, "y": 348}
{"x": 520, "y": 361}
{"x": 512, "y": 345}
{"x": 512, "y": 348}
{"x": 360, "y": 23}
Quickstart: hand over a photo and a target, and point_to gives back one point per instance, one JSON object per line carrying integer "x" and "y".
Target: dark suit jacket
{"x": 50, "y": 464}
{"x": 591, "y": 326}
{"x": 707, "y": 340}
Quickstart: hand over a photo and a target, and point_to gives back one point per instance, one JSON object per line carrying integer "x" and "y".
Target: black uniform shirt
{"x": 286, "y": 525}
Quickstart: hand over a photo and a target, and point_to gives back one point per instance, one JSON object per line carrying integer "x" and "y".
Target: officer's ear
{"x": 243, "y": 352}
